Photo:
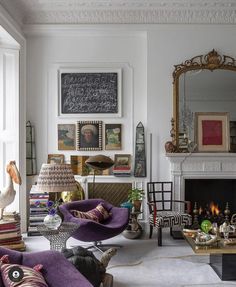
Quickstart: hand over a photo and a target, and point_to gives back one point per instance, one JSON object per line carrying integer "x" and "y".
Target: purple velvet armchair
{"x": 92, "y": 231}
{"x": 57, "y": 270}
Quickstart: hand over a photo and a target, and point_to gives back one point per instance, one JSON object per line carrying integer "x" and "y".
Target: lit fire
{"x": 200, "y": 210}
{"x": 214, "y": 208}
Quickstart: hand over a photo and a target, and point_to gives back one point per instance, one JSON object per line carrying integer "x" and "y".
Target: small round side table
{"x": 58, "y": 237}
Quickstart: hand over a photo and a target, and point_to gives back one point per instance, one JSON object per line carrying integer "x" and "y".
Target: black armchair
{"x": 161, "y": 208}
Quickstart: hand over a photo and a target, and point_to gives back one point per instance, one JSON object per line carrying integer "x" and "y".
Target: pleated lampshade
{"x": 56, "y": 178}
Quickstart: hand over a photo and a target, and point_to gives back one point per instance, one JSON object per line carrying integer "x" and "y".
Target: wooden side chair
{"x": 164, "y": 211}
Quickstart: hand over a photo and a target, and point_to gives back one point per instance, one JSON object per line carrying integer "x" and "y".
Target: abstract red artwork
{"x": 212, "y": 132}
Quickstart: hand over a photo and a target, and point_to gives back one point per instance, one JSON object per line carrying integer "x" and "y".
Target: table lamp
{"x": 99, "y": 162}
{"x": 55, "y": 178}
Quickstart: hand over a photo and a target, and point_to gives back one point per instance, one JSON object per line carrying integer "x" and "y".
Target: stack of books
{"x": 122, "y": 171}
{"x": 10, "y": 232}
{"x": 38, "y": 210}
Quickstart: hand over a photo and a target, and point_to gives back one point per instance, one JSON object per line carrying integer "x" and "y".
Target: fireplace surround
{"x": 186, "y": 167}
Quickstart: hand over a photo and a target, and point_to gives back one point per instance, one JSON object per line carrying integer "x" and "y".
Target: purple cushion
{"x": 98, "y": 214}
{"x": 30, "y": 277}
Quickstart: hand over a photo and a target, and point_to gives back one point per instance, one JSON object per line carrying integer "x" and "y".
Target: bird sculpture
{"x": 7, "y": 195}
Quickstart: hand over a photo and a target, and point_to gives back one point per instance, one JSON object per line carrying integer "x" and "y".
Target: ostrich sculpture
{"x": 7, "y": 195}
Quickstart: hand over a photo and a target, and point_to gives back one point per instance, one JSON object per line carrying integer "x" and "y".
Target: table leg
{"x": 224, "y": 265}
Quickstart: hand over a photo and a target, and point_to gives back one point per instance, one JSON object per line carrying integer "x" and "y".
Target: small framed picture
{"x": 66, "y": 137}
{"x": 78, "y": 165}
{"x": 212, "y": 131}
{"x": 112, "y": 136}
{"x": 89, "y": 135}
{"x": 122, "y": 161}
{"x": 56, "y": 158}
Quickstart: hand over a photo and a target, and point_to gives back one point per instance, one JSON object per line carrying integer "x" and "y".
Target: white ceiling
{"x": 121, "y": 11}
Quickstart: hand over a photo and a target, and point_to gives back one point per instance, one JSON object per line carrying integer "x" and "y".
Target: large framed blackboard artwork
{"x": 90, "y": 92}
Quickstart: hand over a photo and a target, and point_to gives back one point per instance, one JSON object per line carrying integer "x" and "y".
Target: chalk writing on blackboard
{"x": 89, "y": 93}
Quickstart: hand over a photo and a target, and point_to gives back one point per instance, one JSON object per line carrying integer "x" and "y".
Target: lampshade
{"x": 100, "y": 162}
{"x": 56, "y": 178}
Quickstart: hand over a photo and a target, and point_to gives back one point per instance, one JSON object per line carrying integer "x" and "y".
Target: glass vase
{"x": 52, "y": 221}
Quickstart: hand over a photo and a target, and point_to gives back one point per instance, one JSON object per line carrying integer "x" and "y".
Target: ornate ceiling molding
{"x": 122, "y": 12}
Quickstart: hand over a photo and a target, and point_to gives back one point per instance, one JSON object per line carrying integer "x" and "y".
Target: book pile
{"x": 122, "y": 171}
{"x": 10, "y": 232}
{"x": 38, "y": 210}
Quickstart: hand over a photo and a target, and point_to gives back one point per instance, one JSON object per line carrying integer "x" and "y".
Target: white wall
{"x": 47, "y": 53}
{"x": 150, "y": 59}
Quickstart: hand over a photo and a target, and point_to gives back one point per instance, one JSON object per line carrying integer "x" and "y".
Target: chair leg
{"x": 171, "y": 231}
{"x": 159, "y": 236}
{"x": 150, "y": 231}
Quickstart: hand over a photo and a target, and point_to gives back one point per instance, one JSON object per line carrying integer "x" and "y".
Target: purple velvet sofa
{"x": 57, "y": 270}
{"x": 90, "y": 230}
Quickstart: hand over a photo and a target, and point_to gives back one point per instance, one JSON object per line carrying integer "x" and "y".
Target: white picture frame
{"x": 89, "y": 92}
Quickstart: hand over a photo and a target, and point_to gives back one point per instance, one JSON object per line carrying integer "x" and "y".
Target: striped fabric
{"x": 169, "y": 219}
{"x": 31, "y": 278}
{"x": 98, "y": 214}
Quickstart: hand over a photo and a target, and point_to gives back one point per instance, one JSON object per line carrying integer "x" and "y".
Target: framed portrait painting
{"x": 89, "y": 134}
{"x": 89, "y": 92}
{"x": 212, "y": 131}
{"x": 66, "y": 137}
{"x": 112, "y": 136}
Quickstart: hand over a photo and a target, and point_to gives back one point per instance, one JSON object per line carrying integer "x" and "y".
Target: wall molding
{"x": 122, "y": 12}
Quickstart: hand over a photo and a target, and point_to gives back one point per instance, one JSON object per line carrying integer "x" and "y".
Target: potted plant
{"x": 135, "y": 195}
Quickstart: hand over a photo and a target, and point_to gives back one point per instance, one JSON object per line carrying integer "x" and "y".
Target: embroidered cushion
{"x": 19, "y": 275}
{"x": 98, "y": 214}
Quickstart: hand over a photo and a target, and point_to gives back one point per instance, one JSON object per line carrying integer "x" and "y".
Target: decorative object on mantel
{"x": 212, "y": 131}
{"x": 140, "y": 156}
{"x": 31, "y": 165}
{"x": 170, "y": 146}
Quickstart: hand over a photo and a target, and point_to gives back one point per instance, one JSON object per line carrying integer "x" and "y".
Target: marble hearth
{"x": 199, "y": 166}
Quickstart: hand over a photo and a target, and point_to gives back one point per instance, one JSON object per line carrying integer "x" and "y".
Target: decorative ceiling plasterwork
{"x": 120, "y": 11}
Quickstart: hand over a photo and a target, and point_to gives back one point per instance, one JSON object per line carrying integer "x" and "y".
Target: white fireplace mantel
{"x": 199, "y": 165}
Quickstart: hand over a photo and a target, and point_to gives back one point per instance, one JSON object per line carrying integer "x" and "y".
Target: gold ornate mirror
{"x": 205, "y": 83}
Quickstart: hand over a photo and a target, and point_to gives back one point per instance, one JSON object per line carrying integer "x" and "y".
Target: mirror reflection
{"x": 205, "y": 91}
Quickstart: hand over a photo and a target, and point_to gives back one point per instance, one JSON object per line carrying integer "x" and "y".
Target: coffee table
{"x": 222, "y": 257}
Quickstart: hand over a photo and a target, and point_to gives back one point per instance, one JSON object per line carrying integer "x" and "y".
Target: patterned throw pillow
{"x": 98, "y": 214}
{"x": 11, "y": 274}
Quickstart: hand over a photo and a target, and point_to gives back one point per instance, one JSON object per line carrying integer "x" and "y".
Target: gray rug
{"x": 141, "y": 262}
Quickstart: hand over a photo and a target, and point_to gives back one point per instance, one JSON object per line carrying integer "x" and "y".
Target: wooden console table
{"x": 222, "y": 258}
